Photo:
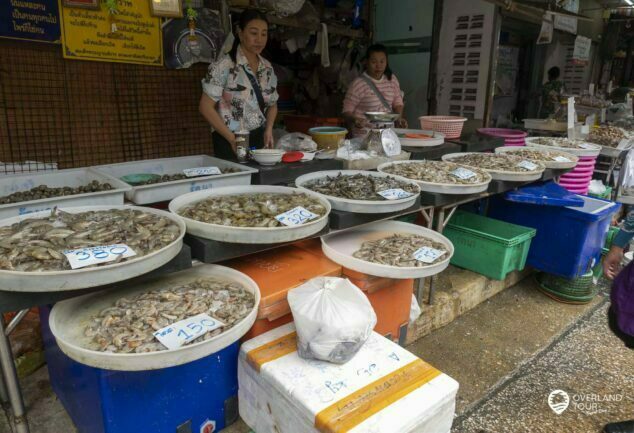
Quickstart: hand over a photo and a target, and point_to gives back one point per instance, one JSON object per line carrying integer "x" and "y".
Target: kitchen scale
{"x": 382, "y": 139}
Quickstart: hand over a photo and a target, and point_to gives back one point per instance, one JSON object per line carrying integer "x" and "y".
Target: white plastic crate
{"x": 384, "y": 388}
{"x": 73, "y": 178}
{"x": 158, "y": 192}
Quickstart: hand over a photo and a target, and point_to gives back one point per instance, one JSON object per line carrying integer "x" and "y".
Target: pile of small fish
{"x": 540, "y": 155}
{"x": 250, "y": 210}
{"x": 358, "y": 186}
{"x": 609, "y": 136}
{"x": 44, "y": 191}
{"x": 437, "y": 172}
{"x": 129, "y": 325}
{"x": 181, "y": 176}
{"x": 38, "y": 244}
{"x": 398, "y": 250}
{"x": 567, "y": 143}
{"x": 497, "y": 161}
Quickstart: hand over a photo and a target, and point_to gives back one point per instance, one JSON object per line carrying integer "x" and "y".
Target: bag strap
{"x": 377, "y": 92}
{"x": 256, "y": 88}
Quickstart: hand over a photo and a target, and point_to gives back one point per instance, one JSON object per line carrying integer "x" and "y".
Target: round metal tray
{"x": 54, "y": 281}
{"x": 360, "y": 206}
{"x": 340, "y": 247}
{"x": 549, "y": 164}
{"x": 69, "y": 319}
{"x": 248, "y": 235}
{"x": 443, "y": 188}
{"x": 418, "y": 142}
{"x": 594, "y": 151}
{"x": 509, "y": 176}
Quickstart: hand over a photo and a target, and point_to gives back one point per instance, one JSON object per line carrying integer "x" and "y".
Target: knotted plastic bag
{"x": 333, "y": 319}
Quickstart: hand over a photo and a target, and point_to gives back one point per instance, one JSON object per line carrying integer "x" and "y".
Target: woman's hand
{"x": 231, "y": 138}
{"x": 360, "y": 122}
{"x": 268, "y": 138}
{"x": 612, "y": 262}
{"x": 400, "y": 123}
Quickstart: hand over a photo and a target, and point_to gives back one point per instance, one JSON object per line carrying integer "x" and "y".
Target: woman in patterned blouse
{"x": 237, "y": 98}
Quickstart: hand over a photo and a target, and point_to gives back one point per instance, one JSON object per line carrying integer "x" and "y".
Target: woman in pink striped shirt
{"x": 377, "y": 89}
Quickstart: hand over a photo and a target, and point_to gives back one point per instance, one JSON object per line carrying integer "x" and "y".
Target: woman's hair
{"x": 553, "y": 73}
{"x": 246, "y": 17}
{"x": 379, "y": 48}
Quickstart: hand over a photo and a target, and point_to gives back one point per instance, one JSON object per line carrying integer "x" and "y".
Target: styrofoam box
{"x": 73, "y": 178}
{"x": 288, "y": 392}
{"x": 157, "y": 192}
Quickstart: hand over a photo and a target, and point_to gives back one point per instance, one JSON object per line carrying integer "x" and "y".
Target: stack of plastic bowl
{"x": 512, "y": 137}
{"x": 578, "y": 180}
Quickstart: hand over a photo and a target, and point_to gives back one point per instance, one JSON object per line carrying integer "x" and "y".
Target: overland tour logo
{"x": 558, "y": 400}
{"x": 589, "y": 404}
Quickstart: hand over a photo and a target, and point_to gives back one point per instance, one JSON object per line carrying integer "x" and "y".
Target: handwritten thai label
{"x": 201, "y": 171}
{"x": 80, "y": 258}
{"x": 427, "y": 254}
{"x": 394, "y": 194}
{"x": 182, "y": 332}
{"x": 463, "y": 173}
{"x": 528, "y": 165}
{"x": 296, "y": 216}
{"x": 562, "y": 159}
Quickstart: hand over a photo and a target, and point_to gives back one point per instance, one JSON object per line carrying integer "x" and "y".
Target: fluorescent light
{"x": 629, "y": 2}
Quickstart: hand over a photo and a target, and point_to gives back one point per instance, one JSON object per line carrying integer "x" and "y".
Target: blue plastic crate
{"x": 569, "y": 237}
{"x": 175, "y": 399}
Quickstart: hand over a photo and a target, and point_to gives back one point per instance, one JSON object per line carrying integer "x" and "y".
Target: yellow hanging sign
{"x": 131, "y": 35}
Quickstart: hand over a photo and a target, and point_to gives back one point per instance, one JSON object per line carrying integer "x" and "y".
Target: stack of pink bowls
{"x": 512, "y": 137}
{"x": 578, "y": 180}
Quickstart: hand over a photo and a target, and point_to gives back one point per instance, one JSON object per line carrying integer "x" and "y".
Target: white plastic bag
{"x": 414, "y": 310}
{"x": 333, "y": 319}
{"x": 627, "y": 179}
{"x": 296, "y": 141}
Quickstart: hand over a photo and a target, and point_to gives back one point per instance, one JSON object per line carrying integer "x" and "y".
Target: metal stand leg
{"x": 430, "y": 301}
{"x": 4, "y": 395}
{"x": 12, "y": 383}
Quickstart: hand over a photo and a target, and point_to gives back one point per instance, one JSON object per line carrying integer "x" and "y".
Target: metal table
{"x": 13, "y": 301}
{"x": 435, "y": 152}
{"x": 286, "y": 173}
{"x": 478, "y": 143}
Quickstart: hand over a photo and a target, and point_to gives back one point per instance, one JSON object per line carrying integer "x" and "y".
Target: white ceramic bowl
{"x": 267, "y": 156}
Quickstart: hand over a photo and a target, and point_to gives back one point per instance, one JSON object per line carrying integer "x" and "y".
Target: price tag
{"x": 394, "y": 194}
{"x": 296, "y": 216}
{"x": 586, "y": 146}
{"x": 528, "y": 165}
{"x": 561, "y": 159}
{"x": 427, "y": 254}
{"x": 201, "y": 171}
{"x": 177, "y": 334}
{"x": 463, "y": 173}
{"x": 83, "y": 257}
{"x": 591, "y": 89}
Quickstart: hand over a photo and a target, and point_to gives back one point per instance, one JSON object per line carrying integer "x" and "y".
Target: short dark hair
{"x": 380, "y": 48}
{"x": 246, "y": 17}
{"x": 553, "y": 73}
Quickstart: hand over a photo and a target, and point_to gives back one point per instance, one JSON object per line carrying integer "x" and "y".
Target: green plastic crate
{"x": 487, "y": 246}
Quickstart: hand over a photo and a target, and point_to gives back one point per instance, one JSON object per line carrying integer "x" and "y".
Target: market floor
{"x": 508, "y": 354}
